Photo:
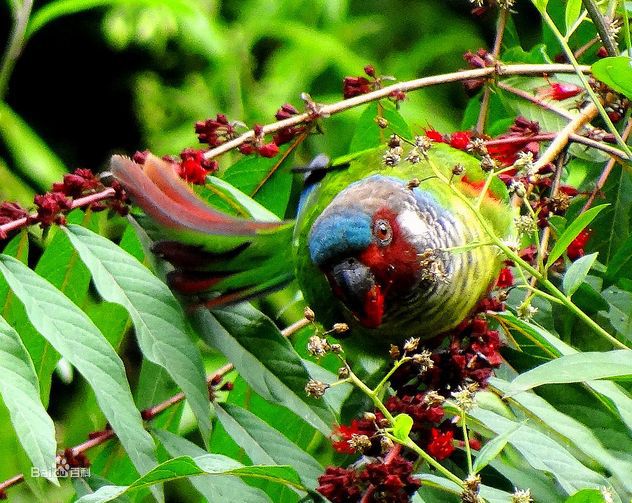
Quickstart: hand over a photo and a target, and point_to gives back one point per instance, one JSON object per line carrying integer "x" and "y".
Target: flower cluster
{"x": 10, "y": 212}
{"x": 385, "y": 481}
{"x": 356, "y": 86}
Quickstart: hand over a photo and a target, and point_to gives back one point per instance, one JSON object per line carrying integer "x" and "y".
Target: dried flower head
{"x": 340, "y": 328}
{"x": 525, "y": 162}
{"x": 526, "y": 311}
{"x": 317, "y": 346}
{"x": 423, "y": 144}
{"x": 477, "y": 146}
{"x": 521, "y": 496}
{"x": 472, "y": 486}
{"x": 343, "y": 373}
{"x": 359, "y": 443}
{"x": 464, "y": 397}
{"x": 431, "y": 267}
{"x": 518, "y": 188}
{"x": 392, "y": 156}
{"x": 424, "y": 360}
{"x": 386, "y": 444}
{"x": 525, "y": 224}
{"x": 411, "y": 344}
{"x": 487, "y": 163}
{"x": 336, "y": 349}
{"x": 458, "y": 169}
{"x": 413, "y": 157}
{"x": 394, "y": 352}
{"x": 413, "y": 183}
{"x": 309, "y": 314}
{"x": 316, "y": 388}
{"x": 432, "y": 398}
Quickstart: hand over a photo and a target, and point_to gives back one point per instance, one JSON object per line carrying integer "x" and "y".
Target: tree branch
{"x": 411, "y": 85}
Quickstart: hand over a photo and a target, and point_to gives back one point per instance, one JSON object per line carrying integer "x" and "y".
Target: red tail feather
{"x": 170, "y": 202}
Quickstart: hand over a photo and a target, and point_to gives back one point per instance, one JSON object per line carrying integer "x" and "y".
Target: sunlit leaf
{"x": 157, "y": 317}
{"x": 76, "y": 338}
{"x": 579, "y": 367}
{"x": 217, "y": 487}
{"x": 401, "y": 427}
{"x": 572, "y": 12}
{"x": 265, "y": 445}
{"x": 571, "y": 232}
{"x": 577, "y": 272}
{"x": 264, "y": 358}
{"x": 20, "y": 393}
{"x": 616, "y": 72}
{"x": 493, "y": 448}
{"x": 33, "y": 158}
{"x": 185, "y": 467}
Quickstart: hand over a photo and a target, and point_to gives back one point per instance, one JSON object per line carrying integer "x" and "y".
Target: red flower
{"x": 434, "y": 135}
{"x": 268, "y": 150}
{"x": 194, "y": 167}
{"x": 391, "y": 479}
{"x": 215, "y": 131}
{"x": 505, "y": 278}
{"x": 441, "y": 446}
{"x": 559, "y": 91}
{"x": 51, "y": 208}
{"x": 77, "y": 184}
{"x": 576, "y": 249}
{"x": 339, "y": 485}
{"x": 10, "y": 212}
{"x": 355, "y": 86}
{"x": 460, "y": 139}
{"x": 414, "y": 406}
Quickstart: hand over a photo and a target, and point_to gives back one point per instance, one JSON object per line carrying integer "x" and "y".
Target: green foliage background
{"x": 104, "y": 76}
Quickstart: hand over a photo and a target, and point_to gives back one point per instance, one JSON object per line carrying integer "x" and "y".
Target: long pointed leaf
{"x": 579, "y": 367}
{"x": 217, "y": 487}
{"x": 157, "y": 316}
{"x": 73, "y": 334}
{"x": 264, "y": 358}
{"x": 185, "y": 467}
{"x": 20, "y": 392}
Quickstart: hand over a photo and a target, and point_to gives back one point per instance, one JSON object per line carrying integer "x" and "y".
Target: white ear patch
{"x": 411, "y": 223}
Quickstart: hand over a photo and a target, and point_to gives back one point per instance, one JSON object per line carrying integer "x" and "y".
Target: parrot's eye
{"x": 383, "y": 232}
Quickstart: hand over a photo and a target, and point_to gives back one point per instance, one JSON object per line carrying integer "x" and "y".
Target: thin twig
{"x": 151, "y": 412}
{"x": 76, "y": 203}
{"x": 411, "y": 85}
{"x": 534, "y": 99}
{"x": 606, "y": 170}
{"x": 602, "y": 26}
{"x": 562, "y": 138}
{"x": 500, "y": 31}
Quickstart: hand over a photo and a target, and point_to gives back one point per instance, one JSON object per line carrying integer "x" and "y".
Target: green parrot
{"x": 387, "y": 247}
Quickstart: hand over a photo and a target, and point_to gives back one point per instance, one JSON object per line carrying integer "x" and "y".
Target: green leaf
{"x": 264, "y": 358}
{"x": 368, "y": 134}
{"x": 265, "y": 445}
{"x": 72, "y": 333}
{"x": 577, "y": 272}
{"x": 541, "y": 451}
{"x": 216, "y": 488}
{"x": 267, "y": 180}
{"x": 572, "y": 12}
{"x": 587, "y": 496}
{"x": 615, "y": 72}
{"x": 401, "y": 426}
{"x": 20, "y": 392}
{"x": 581, "y": 422}
{"x": 33, "y": 158}
{"x": 621, "y": 401}
{"x": 621, "y": 262}
{"x": 185, "y": 467}
{"x": 571, "y": 232}
{"x": 540, "y": 4}
{"x": 578, "y": 367}
{"x": 619, "y": 310}
{"x": 157, "y": 316}
{"x": 254, "y": 209}
{"x": 493, "y": 448}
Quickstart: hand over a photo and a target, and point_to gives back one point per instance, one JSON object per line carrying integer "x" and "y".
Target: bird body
{"x": 390, "y": 256}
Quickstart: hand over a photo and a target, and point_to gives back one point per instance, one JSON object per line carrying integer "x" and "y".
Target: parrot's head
{"x": 368, "y": 241}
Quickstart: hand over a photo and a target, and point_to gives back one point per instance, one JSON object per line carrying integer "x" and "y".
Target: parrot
{"x": 394, "y": 250}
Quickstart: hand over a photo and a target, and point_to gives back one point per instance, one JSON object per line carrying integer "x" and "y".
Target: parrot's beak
{"x": 354, "y": 283}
